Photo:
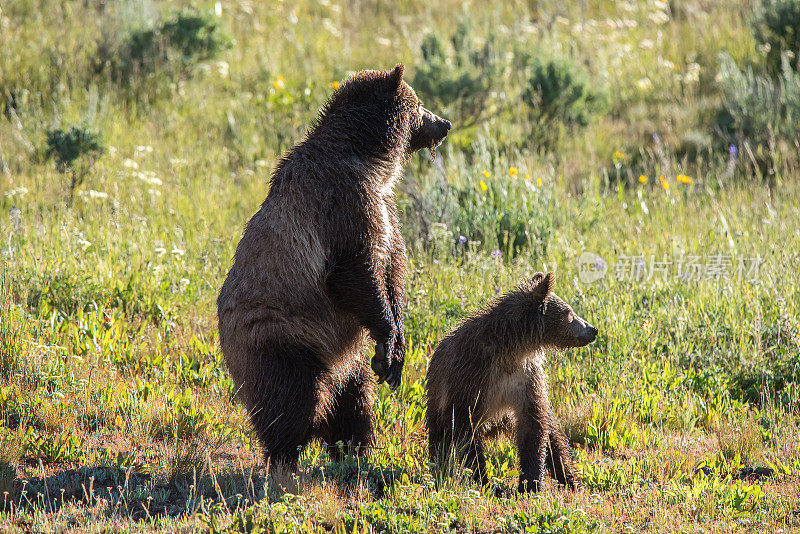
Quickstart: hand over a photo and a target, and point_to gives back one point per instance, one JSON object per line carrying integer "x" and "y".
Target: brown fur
{"x": 488, "y": 374}
{"x": 320, "y": 266}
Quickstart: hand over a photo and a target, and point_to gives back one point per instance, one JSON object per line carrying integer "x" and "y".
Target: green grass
{"x": 116, "y": 410}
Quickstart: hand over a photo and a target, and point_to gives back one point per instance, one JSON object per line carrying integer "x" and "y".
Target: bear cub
{"x": 488, "y": 375}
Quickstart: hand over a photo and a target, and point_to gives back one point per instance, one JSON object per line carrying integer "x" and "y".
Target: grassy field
{"x": 137, "y": 138}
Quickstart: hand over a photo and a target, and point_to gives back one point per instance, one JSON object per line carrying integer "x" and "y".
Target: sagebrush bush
{"x": 776, "y": 24}
{"x": 75, "y": 151}
{"x": 559, "y": 95}
{"x": 457, "y": 78}
{"x": 66, "y": 146}
{"x": 171, "y": 48}
{"x": 761, "y": 113}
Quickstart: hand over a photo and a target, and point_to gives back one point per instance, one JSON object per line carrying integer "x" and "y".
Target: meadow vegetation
{"x": 137, "y": 137}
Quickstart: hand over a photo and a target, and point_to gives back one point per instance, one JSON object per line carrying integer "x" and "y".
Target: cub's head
{"x": 381, "y": 113}
{"x": 562, "y": 328}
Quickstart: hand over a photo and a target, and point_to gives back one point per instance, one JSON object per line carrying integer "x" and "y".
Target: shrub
{"x": 458, "y": 78}
{"x": 68, "y": 146}
{"x": 170, "y": 48}
{"x": 559, "y": 95}
{"x": 75, "y": 151}
{"x": 776, "y": 24}
{"x": 760, "y": 113}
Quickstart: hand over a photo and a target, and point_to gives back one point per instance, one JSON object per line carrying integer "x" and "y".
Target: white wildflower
{"x": 16, "y": 192}
{"x": 128, "y": 163}
{"x": 222, "y": 68}
{"x": 149, "y": 177}
{"x": 92, "y": 194}
{"x": 658, "y": 17}
{"x": 644, "y": 84}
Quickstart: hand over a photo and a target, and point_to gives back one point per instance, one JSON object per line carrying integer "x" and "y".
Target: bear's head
{"x": 380, "y": 114}
{"x": 561, "y": 327}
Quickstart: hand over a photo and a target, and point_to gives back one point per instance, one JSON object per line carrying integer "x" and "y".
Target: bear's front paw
{"x": 380, "y": 361}
{"x": 396, "y": 365}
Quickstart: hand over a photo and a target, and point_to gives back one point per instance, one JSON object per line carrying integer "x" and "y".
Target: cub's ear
{"x": 396, "y": 77}
{"x": 543, "y": 284}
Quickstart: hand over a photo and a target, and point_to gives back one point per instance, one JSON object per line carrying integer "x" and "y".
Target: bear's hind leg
{"x": 283, "y": 397}
{"x": 352, "y": 418}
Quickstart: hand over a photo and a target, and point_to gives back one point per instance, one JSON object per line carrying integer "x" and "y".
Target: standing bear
{"x": 487, "y": 375}
{"x": 320, "y": 266}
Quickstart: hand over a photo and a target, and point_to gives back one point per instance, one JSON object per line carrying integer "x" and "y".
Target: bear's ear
{"x": 396, "y": 77}
{"x": 543, "y": 284}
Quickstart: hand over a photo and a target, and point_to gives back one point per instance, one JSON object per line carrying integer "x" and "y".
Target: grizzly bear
{"x": 487, "y": 375}
{"x": 322, "y": 264}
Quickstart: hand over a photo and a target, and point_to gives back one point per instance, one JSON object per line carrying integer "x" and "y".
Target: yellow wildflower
{"x": 664, "y": 182}
{"x": 484, "y": 187}
{"x": 619, "y": 154}
{"x": 539, "y": 182}
{"x": 513, "y": 171}
{"x": 486, "y": 174}
{"x": 683, "y": 179}
{"x": 527, "y": 176}
{"x": 279, "y": 83}
{"x": 642, "y": 179}
{"x": 335, "y": 85}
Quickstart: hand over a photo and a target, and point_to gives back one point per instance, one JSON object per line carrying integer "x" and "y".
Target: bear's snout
{"x": 588, "y": 336}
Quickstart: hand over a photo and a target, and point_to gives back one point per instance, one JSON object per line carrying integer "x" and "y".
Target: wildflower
{"x": 462, "y": 239}
{"x": 279, "y": 83}
{"x": 538, "y": 182}
{"x": 92, "y": 194}
{"x": 619, "y": 154}
{"x": 149, "y": 177}
{"x": 664, "y": 182}
{"x": 497, "y": 253}
{"x": 644, "y": 84}
{"x": 733, "y": 151}
{"x": 15, "y": 216}
{"x": 527, "y": 176}
{"x": 513, "y": 171}
{"x": 683, "y": 179}
{"x": 19, "y": 191}
{"x": 642, "y": 179}
{"x": 335, "y": 85}
{"x": 484, "y": 187}
{"x": 128, "y": 163}
{"x": 486, "y": 174}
